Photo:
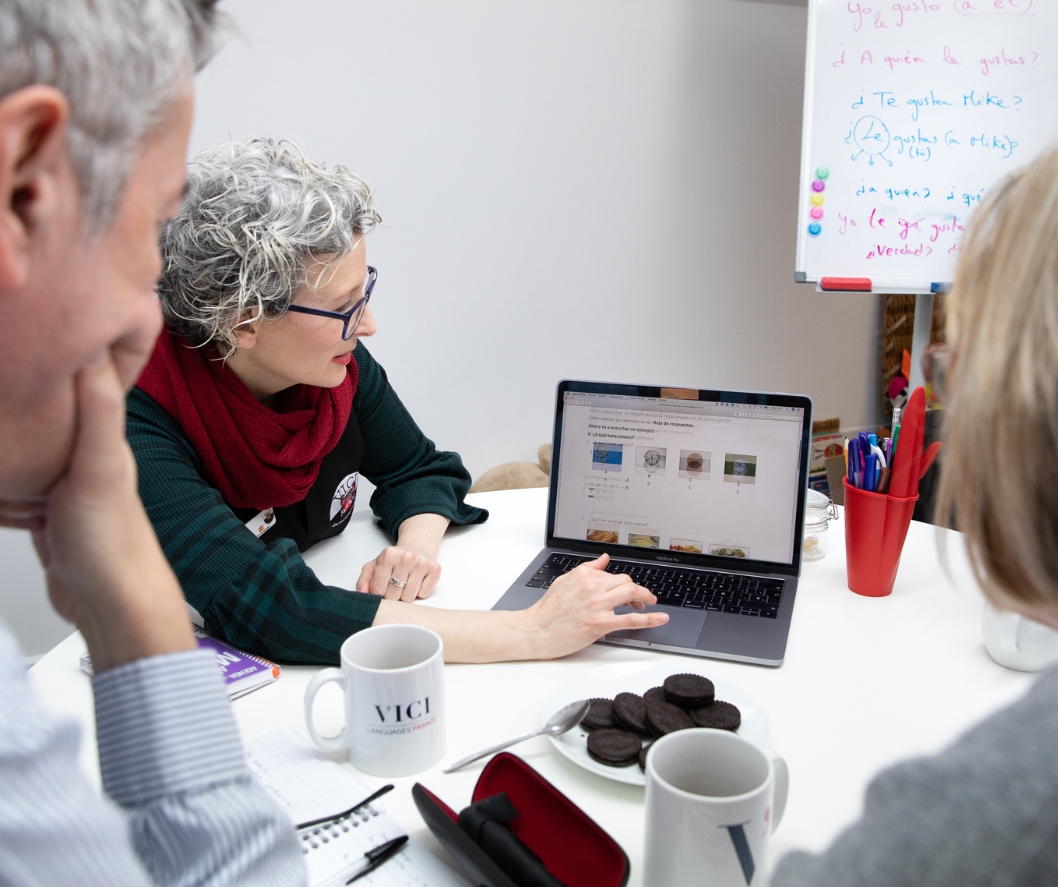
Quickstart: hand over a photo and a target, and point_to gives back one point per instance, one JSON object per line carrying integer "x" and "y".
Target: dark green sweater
{"x": 265, "y": 598}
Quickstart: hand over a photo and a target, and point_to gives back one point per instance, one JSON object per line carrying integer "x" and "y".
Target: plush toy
{"x": 897, "y": 392}
{"x": 516, "y": 475}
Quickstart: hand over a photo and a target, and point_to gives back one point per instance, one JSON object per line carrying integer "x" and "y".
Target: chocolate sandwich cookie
{"x": 719, "y": 715}
{"x": 654, "y": 694}
{"x": 664, "y": 717}
{"x": 599, "y": 715}
{"x": 688, "y": 690}
{"x": 630, "y": 712}
{"x": 643, "y": 757}
{"x": 615, "y": 748}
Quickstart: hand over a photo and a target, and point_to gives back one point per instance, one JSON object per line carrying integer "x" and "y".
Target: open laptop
{"x": 698, "y": 495}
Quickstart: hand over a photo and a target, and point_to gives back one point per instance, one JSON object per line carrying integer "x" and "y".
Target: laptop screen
{"x": 692, "y": 475}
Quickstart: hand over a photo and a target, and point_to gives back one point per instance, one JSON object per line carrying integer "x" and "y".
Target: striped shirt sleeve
{"x": 189, "y": 814}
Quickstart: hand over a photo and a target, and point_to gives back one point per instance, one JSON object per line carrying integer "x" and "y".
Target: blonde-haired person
{"x": 261, "y": 397}
{"x": 985, "y": 811}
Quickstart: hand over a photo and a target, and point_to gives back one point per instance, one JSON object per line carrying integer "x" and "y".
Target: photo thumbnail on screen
{"x": 740, "y": 468}
{"x": 606, "y": 456}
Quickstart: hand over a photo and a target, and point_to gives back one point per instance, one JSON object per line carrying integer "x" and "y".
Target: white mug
{"x": 1016, "y": 642}
{"x": 713, "y": 799}
{"x": 393, "y": 678}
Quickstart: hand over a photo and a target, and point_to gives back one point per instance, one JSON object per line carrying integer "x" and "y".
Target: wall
{"x": 571, "y": 188}
{"x": 586, "y": 188}
{"x": 24, "y": 606}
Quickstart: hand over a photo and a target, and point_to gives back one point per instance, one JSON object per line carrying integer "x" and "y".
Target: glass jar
{"x": 819, "y": 512}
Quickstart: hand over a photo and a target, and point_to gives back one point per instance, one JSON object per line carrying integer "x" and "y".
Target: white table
{"x": 866, "y": 681}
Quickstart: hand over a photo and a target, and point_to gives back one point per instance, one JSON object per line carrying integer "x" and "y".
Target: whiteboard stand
{"x": 920, "y": 338}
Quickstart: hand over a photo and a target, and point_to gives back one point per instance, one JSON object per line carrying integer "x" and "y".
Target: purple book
{"x": 243, "y": 672}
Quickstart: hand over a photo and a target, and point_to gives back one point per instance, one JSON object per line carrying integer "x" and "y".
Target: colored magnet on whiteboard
{"x": 816, "y": 200}
{"x": 822, "y": 172}
{"x": 814, "y": 229}
{"x": 816, "y": 212}
{"x": 818, "y": 185}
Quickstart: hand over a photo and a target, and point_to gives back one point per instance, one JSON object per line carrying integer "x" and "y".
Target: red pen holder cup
{"x": 875, "y": 529}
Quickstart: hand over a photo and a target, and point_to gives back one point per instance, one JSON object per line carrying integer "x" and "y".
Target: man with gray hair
{"x": 95, "y": 114}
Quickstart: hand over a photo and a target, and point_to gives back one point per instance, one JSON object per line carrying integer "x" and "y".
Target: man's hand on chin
{"x": 105, "y": 570}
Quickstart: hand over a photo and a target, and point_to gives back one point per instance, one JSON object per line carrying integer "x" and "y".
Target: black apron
{"x": 327, "y": 507}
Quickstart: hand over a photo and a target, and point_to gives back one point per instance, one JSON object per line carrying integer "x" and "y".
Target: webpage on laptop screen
{"x": 690, "y": 476}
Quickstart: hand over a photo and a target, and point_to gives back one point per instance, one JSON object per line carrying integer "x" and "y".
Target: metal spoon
{"x": 562, "y": 721}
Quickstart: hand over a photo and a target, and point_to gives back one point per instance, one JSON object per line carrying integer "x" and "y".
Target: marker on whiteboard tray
{"x": 939, "y": 287}
{"x": 846, "y": 284}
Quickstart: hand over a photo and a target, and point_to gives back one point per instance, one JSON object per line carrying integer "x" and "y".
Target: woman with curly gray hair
{"x": 261, "y": 407}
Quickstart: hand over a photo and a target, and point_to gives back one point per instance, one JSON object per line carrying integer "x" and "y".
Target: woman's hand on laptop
{"x": 578, "y": 609}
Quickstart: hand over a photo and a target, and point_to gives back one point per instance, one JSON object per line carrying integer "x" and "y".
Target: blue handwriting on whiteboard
{"x": 1004, "y": 144}
{"x": 966, "y": 197}
{"x": 871, "y": 136}
{"x": 930, "y": 101}
{"x": 918, "y": 145}
{"x": 989, "y": 100}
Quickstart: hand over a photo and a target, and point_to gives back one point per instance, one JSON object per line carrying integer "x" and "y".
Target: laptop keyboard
{"x": 676, "y": 587}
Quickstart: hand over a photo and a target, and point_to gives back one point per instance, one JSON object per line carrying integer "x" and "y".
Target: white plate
{"x": 638, "y": 677}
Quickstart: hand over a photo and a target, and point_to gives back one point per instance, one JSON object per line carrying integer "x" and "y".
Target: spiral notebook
{"x": 308, "y": 786}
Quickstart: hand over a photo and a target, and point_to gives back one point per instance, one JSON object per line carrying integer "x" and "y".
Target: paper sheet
{"x": 309, "y": 786}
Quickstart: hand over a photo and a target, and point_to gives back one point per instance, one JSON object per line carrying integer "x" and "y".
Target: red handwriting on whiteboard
{"x": 859, "y": 11}
{"x": 907, "y": 58}
{"x": 906, "y": 226}
{"x": 952, "y": 226}
{"x": 881, "y": 250}
{"x": 921, "y": 7}
{"x": 1006, "y": 59}
{"x": 992, "y": 7}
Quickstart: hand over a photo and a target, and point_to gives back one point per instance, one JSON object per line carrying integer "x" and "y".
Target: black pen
{"x": 353, "y": 809}
{"x": 375, "y": 858}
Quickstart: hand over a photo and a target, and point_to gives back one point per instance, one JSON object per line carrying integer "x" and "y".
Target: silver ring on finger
{"x": 393, "y": 580}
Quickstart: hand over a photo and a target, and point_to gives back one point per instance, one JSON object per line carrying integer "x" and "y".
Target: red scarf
{"x": 257, "y": 457}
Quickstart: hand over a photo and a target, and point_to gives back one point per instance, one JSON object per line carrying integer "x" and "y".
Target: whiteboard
{"x": 912, "y": 110}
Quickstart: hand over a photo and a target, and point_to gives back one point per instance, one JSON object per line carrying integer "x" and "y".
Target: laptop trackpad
{"x": 681, "y": 630}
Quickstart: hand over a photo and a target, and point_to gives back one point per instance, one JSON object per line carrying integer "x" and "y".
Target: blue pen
{"x": 870, "y": 472}
{"x": 856, "y": 463}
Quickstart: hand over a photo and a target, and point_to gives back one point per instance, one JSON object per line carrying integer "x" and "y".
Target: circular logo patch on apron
{"x": 344, "y": 499}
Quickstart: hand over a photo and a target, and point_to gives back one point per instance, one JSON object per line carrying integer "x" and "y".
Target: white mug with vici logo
{"x": 713, "y": 799}
{"x": 393, "y": 678}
